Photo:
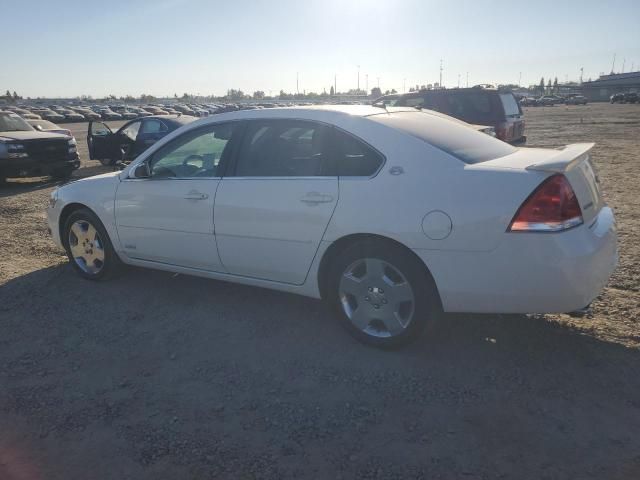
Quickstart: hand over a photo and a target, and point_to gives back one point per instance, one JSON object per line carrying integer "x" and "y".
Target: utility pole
{"x": 335, "y": 84}
{"x": 613, "y": 65}
{"x": 581, "y": 72}
{"x": 467, "y": 79}
{"x": 358, "y": 77}
{"x": 458, "y": 80}
{"x": 366, "y": 83}
{"x": 440, "y": 74}
{"x": 624, "y": 60}
{"x": 297, "y": 84}
{"x": 520, "y": 79}
{"x": 404, "y": 85}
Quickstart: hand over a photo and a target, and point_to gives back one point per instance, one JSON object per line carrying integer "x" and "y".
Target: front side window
{"x": 414, "y": 102}
{"x": 283, "y": 148}
{"x": 131, "y": 131}
{"x": 194, "y": 154}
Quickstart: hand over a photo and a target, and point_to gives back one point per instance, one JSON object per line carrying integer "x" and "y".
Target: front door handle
{"x": 314, "y": 198}
{"x": 195, "y": 195}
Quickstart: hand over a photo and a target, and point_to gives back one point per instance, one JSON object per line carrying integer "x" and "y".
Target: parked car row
{"x": 629, "y": 97}
{"x": 551, "y": 100}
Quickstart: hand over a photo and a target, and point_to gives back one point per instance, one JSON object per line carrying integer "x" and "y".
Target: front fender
{"x": 95, "y": 193}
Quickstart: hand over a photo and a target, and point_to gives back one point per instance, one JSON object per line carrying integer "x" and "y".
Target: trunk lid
{"x": 573, "y": 161}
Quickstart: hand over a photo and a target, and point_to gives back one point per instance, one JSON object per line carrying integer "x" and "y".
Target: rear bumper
{"x": 529, "y": 272}
{"x": 30, "y": 167}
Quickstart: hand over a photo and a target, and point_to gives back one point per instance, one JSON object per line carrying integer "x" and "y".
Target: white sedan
{"x": 392, "y": 215}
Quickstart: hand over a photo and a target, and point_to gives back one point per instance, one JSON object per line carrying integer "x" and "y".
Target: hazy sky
{"x": 162, "y": 47}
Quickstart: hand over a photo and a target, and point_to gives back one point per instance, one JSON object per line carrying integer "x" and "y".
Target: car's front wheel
{"x": 88, "y": 246}
{"x": 383, "y": 294}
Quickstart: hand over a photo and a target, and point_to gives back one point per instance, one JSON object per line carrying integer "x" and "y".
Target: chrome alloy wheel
{"x": 86, "y": 247}
{"x": 376, "y": 297}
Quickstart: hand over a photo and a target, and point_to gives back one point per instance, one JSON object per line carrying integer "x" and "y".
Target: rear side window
{"x": 352, "y": 157}
{"x": 283, "y": 148}
{"x": 448, "y": 135}
{"x": 468, "y": 104}
{"x": 509, "y": 104}
{"x": 153, "y": 126}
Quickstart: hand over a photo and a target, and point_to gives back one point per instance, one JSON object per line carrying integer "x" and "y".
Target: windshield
{"x": 13, "y": 123}
{"x": 510, "y": 105}
{"x": 448, "y": 134}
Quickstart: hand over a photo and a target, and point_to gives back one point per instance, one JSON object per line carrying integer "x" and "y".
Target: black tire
{"x": 427, "y": 307}
{"x": 111, "y": 264}
{"x": 63, "y": 173}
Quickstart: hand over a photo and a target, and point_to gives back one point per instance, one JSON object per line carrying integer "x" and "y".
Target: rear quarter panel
{"x": 480, "y": 202}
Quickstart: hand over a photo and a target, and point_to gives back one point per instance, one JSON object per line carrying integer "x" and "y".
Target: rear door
{"x": 99, "y": 140}
{"x": 273, "y": 207}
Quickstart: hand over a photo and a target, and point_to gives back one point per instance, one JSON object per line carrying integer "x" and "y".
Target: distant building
{"x": 601, "y": 89}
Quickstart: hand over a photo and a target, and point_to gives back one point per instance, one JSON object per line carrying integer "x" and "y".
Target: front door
{"x": 99, "y": 140}
{"x": 167, "y": 217}
{"x": 150, "y": 132}
{"x": 274, "y": 205}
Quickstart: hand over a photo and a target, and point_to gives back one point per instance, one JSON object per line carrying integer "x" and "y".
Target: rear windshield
{"x": 447, "y": 134}
{"x": 509, "y": 104}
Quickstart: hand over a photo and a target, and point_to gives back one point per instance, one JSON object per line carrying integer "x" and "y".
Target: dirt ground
{"x": 155, "y": 376}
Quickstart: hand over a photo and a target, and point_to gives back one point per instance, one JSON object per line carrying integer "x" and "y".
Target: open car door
{"x": 101, "y": 142}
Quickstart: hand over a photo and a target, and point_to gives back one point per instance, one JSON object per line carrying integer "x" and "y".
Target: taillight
{"x": 551, "y": 207}
{"x": 502, "y": 131}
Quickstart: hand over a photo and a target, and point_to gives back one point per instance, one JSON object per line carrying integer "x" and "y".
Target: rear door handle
{"x": 314, "y": 198}
{"x": 195, "y": 195}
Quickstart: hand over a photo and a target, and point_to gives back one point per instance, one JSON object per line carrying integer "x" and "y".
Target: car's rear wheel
{"x": 383, "y": 294}
{"x": 88, "y": 246}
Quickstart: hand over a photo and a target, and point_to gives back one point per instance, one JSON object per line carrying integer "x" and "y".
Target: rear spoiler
{"x": 565, "y": 159}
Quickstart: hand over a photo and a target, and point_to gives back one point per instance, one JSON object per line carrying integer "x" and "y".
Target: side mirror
{"x": 38, "y": 127}
{"x": 142, "y": 171}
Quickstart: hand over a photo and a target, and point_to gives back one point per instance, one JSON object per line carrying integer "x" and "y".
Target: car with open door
{"x": 391, "y": 215}
{"x": 131, "y": 139}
